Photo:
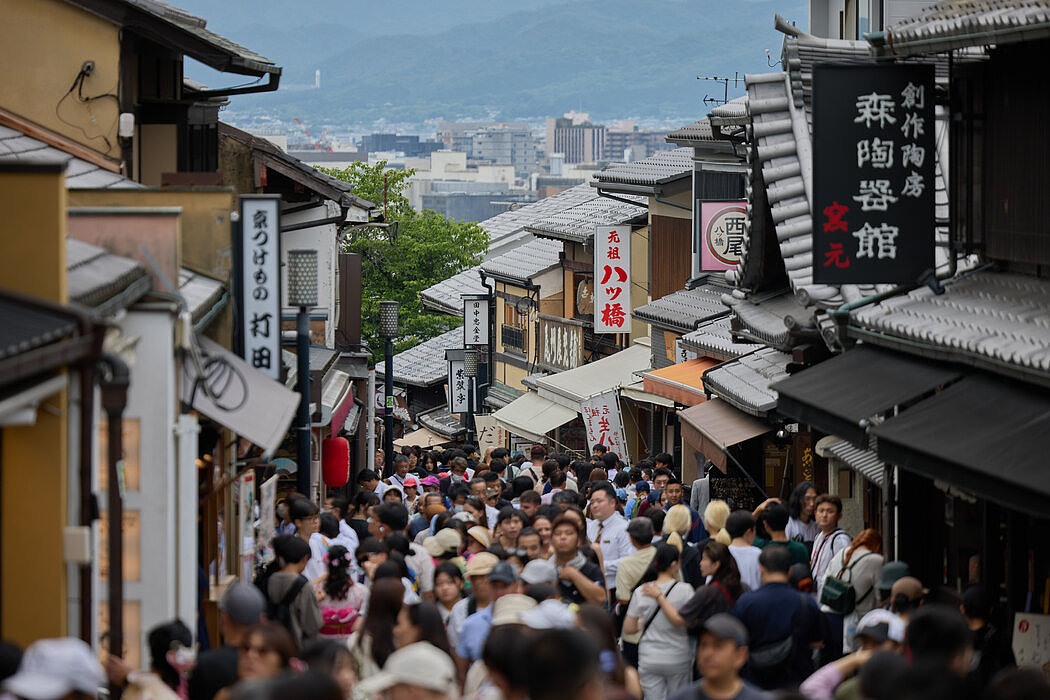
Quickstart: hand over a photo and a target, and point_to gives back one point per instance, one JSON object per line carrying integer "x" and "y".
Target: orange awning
{"x": 681, "y": 382}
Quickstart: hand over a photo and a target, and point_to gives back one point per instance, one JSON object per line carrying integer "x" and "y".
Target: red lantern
{"x": 335, "y": 462}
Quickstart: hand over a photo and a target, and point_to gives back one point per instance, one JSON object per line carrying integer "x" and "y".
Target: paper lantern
{"x": 335, "y": 462}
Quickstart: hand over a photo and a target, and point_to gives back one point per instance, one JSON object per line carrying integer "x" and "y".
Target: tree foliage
{"x": 426, "y": 249}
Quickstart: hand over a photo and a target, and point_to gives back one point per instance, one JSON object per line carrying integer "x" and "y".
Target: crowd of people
{"x": 543, "y": 577}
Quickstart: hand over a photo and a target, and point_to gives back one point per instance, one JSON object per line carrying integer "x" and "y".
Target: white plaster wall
{"x": 323, "y": 240}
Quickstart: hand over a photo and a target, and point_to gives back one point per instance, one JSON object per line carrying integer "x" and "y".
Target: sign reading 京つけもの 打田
{"x": 721, "y": 234}
{"x": 612, "y": 279}
{"x": 873, "y": 173}
{"x": 601, "y": 416}
{"x": 475, "y": 319}
{"x": 258, "y": 283}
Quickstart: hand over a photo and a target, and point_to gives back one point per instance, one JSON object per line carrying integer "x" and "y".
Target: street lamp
{"x": 470, "y": 369}
{"x": 302, "y": 292}
{"x": 388, "y": 331}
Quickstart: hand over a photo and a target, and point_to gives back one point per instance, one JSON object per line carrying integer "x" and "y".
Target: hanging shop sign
{"x": 721, "y": 234}
{"x": 601, "y": 416}
{"x": 258, "y": 283}
{"x": 612, "y": 279}
{"x": 475, "y": 320}
{"x": 873, "y": 173}
{"x": 490, "y": 433}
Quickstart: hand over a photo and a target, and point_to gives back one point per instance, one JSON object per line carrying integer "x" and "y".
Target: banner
{"x": 721, "y": 234}
{"x": 475, "y": 320}
{"x": 873, "y": 173}
{"x": 458, "y": 383}
{"x": 612, "y": 279}
{"x": 601, "y": 416}
{"x": 258, "y": 283}
{"x": 490, "y": 433}
{"x": 267, "y": 518}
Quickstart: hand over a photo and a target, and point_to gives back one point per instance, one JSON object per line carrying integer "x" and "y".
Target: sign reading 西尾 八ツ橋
{"x": 873, "y": 173}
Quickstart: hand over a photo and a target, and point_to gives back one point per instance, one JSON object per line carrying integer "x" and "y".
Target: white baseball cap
{"x": 421, "y": 664}
{"x": 53, "y": 668}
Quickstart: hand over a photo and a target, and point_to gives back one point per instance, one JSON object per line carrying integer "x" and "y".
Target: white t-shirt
{"x": 825, "y": 547}
{"x": 802, "y": 532}
{"x": 747, "y": 561}
{"x": 663, "y": 644}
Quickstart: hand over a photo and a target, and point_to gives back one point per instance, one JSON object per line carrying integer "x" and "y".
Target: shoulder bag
{"x": 838, "y": 592}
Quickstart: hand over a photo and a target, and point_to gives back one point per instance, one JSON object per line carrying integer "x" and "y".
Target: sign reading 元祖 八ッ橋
{"x": 612, "y": 279}
{"x": 873, "y": 173}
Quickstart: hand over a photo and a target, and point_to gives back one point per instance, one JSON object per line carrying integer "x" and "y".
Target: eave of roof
{"x": 683, "y": 310}
{"x": 424, "y": 365}
{"x": 524, "y": 263}
{"x": 647, "y": 176}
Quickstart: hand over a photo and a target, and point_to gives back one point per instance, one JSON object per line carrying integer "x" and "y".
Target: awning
{"x": 421, "y": 437}
{"x": 238, "y": 396}
{"x": 337, "y": 396}
{"x": 836, "y": 395}
{"x": 865, "y": 462}
{"x": 637, "y": 392}
{"x": 681, "y": 382}
{"x": 532, "y": 416}
{"x": 18, "y": 404}
{"x": 572, "y": 386}
{"x": 984, "y": 434}
{"x": 714, "y": 426}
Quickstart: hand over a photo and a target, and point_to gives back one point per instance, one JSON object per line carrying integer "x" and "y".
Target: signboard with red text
{"x": 612, "y": 279}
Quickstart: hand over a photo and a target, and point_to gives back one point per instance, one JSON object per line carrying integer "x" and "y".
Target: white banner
{"x": 681, "y": 354}
{"x": 475, "y": 320}
{"x": 490, "y": 433}
{"x": 612, "y": 279}
{"x": 601, "y": 415}
{"x": 1031, "y": 641}
{"x": 267, "y": 518}
{"x": 259, "y": 282}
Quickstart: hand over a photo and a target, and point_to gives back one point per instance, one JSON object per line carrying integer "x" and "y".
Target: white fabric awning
{"x": 572, "y": 386}
{"x": 423, "y": 438}
{"x": 231, "y": 392}
{"x": 532, "y": 416}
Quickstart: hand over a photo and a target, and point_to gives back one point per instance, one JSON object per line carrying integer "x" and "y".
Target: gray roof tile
{"x": 953, "y": 24}
{"x": 26, "y": 328}
{"x": 201, "y": 293}
{"x": 441, "y": 422}
{"x": 96, "y": 276}
{"x": 658, "y": 169}
{"x": 525, "y": 262}
{"x": 715, "y": 340}
{"x": 766, "y": 320}
{"x": 744, "y": 382}
{"x": 80, "y": 174}
{"x": 576, "y": 224}
{"x": 683, "y": 310}
{"x": 424, "y": 364}
{"x": 697, "y": 132}
{"x": 866, "y": 462}
{"x": 446, "y": 295}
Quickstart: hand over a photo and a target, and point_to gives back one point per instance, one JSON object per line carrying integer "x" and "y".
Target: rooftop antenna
{"x": 737, "y": 79}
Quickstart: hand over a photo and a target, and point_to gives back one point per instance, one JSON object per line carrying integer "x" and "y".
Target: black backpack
{"x": 281, "y": 611}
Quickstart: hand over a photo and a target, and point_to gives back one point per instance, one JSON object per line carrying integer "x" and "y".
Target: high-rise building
{"x": 576, "y": 138}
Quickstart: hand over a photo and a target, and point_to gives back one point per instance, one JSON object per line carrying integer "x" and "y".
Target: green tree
{"x": 426, "y": 248}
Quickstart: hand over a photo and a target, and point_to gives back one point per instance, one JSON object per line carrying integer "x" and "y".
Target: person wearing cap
{"x": 503, "y": 580}
{"x": 879, "y": 630}
{"x": 477, "y": 572}
{"x": 720, "y": 655}
{"x": 891, "y": 571}
{"x": 411, "y": 486}
{"x": 906, "y": 596}
{"x": 418, "y": 671}
{"x": 57, "y": 669}
{"x": 444, "y": 545}
{"x": 240, "y": 608}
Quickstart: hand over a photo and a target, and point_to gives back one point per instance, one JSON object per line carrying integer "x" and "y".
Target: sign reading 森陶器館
{"x": 475, "y": 320}
{"x": 601, "y": 416}
{"x": 721, "y": 234}
{"x": 258, "y": 283}
{"x": 874, "y": 154}
{"x": 612, "y": 279}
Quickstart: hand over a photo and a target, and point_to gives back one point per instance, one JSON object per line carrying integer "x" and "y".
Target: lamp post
{"x": 388, "y": 331}
{"x": 470, "y": 369}
{"x": 302, "y": 292}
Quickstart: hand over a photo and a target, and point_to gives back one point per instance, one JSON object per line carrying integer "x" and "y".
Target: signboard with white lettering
{"x": 601, "y": 416}
{"x": 612, "y": 279}
{"x": 721, "y": 234}
{"x": 458, "y": 382}
{"x": 873, "y": 173}
{"x": 258, "y": 283}
{"x": 475, "y": 320}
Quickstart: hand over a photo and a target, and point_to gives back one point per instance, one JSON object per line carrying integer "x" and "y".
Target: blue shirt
{"x": 475, "y": 632}
{"x": 771, "y": 614}
{"x": 697, "y": 531}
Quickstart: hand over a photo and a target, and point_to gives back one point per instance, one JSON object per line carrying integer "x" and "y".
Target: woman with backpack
{"x": 859, "y": 566}
{"x": 665, "y": 652}
{"x": 344, "y": 598}
{"x": 291, "y": 599}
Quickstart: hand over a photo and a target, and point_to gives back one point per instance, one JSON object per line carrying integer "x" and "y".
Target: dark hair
{"x": 829, "y": 498}
{"x": 479, "y": 505}
{"x": 508, "y": 512}
{"x": 393, "y": 566}
{"x": 457, "y": 490}
{"x": 321, "y": 655}
{"x": 398, "y": 542}
{"x": 500, "y": 453}
{"x": 562, "y": 459}
{"x": 797, "y": 499}
{"x": 338, "y": 581}
{"x": 599, "y": 447}
{"x": 527, "y": 532}
{"x": 560, "y": 662}
{"x": 641, "y": 529}
{"x": 657, "y": 515}
{"x": 366, "y": 475}
{"x": 276, "y": 637}
{"x": 290, "y": 549}
{"x": 339, "y": 503}
{"x": 604, "y": 486}
{"x": 598, "y": 625}
{"x": 488, "y": 477}
{"x": 450, "y": 568}
{"x": 634, "y": 474}
{"x": 776, "y": 560}
{"x": 393, "y": 515}
{"x": 309, "y": 685}
{"x": 548, "y": 510}
{"x": 879, "y": 673}
{"x": 663, "y": 471}
{"x": 664, "y": 458}
{"x": 548, "y": 467}
{"x": 610, "y": 460}
{"x": 363, "y": 500}
{"x": 161, "y": 639}
{"x": 301, "y": 508}
{"x": 368, "y": 546}
{"x": 504, "y": 650}
{"x": 978, "y": 603}
{"x": 383, "y": 606}
{"x": 728, "y": 574}
{"x": 775, "y": 517}
{"x": 1019, "y": 684}
{"x": 621, "y": 479}
{"x": 566, "y": 496}
{"x": 426, "y": 617}
{"x": 666, "y": 554}
{"x": 329, "y": 525}
{"x": 538, "y": 452}
{"x": 10, "y": 658}
{"x": 497, "y": 465}
{"x": 739, "y": 522}
{"x": 564, "y": 519}
{"x": 528, "y": 495}
{"x": 557, "y": 478}
{"x": 936, "y": 633}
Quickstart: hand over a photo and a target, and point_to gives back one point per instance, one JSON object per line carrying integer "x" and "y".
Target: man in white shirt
{"x": 831, "y": 540}
{"x": 741, "y": 527}
{"x": 608, "y": 532}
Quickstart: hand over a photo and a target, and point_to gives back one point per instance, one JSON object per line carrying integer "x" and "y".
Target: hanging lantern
{"x": 335, "y": 462}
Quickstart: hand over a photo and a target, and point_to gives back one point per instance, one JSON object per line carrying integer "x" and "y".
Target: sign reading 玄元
{"x": 475, "y": 320}
{"x": 258, "y": 283}
{"x": 721, "y": 234}
{"x": 612, "y": 279}
{"x": 874, "y": 153}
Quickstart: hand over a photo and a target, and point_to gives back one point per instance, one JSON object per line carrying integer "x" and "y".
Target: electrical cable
{"x": 78, "y": 86}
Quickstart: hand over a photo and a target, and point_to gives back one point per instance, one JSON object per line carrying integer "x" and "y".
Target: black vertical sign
{"x": 873, "y": 173}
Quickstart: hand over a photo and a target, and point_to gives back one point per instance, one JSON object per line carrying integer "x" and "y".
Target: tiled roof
{"x": 101, "y": 280}
{"x": 26, "y": 328}
{"x": 576, "y": 224}
{"x": 683, "y": 310}
{"x": 201, "y": 293}
{"x": 446, "y": 295}
{"x": 526, "y": 261}
{"x": 661, "y": 168}
{"x": 80, "y": 174}
{"x": 697, "y": 132}
{"x": 424, "y": 364}
{"x": 988, "y": 319}
{"x": 744, "y": 382}
{"x": 779, "y": 106}
{"x": 515, "y": 220}
{"x": 954, "y": 24}
{"x": 733, "y": 112}
{"x": 441, "y": 422}
{"x": 866, "y": 462}
{"x": 715, "y": 340}
{"x": 766, "y": 320}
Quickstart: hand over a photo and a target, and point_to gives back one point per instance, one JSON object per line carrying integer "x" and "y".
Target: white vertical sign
{"x": 458, "y": 384}
{"x": 475, "y": 320}
{"x": 490, "y": 433}
{"x": 601, "y": 416}
{"x": 267, "y": 518}
{"x": 259, "y": 283}
{"x": 612, "y": 279}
